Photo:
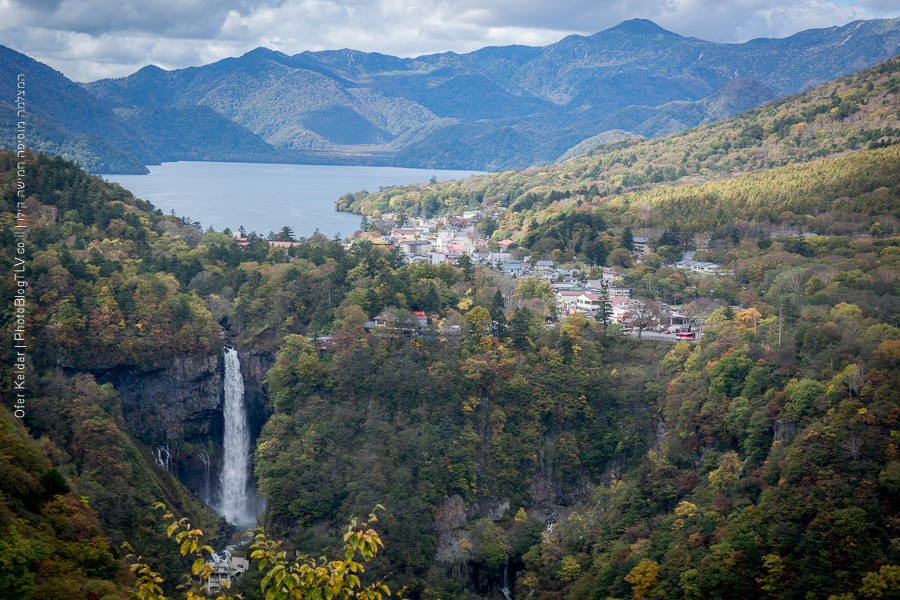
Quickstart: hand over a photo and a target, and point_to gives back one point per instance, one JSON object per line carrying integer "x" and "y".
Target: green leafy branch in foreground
{"x": 148, "y": 585}
{"x": 308, "y": 578}
{"x": 303, "y": 579}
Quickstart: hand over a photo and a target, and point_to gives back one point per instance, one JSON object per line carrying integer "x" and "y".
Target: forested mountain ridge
{"x": 495, "y": 108}
{"x": 64, "y": 119}
{"x": 731, "y": 166}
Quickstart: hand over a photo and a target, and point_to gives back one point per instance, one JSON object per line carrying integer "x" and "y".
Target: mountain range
{"x": 495, "y": 108}
{"x": 711, "y": 173}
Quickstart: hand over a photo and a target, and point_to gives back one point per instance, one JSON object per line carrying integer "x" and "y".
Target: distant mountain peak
{"x": 640, "y": 27}
{"x": 264, "y": 53}
{"x": 149, "y": 71}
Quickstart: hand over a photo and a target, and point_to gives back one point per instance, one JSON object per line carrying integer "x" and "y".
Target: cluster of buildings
{"x": 445, "y": 240}
{"x": 225, "y": 568}
{"x": 621, "y": 307}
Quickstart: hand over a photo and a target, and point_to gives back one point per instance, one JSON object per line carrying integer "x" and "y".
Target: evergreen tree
{"x": 520, "y": 328}
{"x": 604, "y": 312}
{"x": 627, "y": 240}
{"x": 789, "y": 311}
{"x": 498, "y": 308}
{"x": 396, "y": 258}
{"x": 285, "y": 235}
{"x": 465, "y": 263}
{"x": 670, "y": 237}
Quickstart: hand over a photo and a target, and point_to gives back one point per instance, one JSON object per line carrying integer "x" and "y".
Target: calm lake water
{"x": 266, "y": 197}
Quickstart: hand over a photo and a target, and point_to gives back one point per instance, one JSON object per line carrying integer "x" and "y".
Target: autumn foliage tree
{"x": 302, "y": 578}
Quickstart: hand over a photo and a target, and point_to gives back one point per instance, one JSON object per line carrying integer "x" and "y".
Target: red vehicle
{"x": 686, "y": 335}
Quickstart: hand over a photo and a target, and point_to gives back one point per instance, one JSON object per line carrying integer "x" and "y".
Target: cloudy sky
{"x": 91, "y": 39}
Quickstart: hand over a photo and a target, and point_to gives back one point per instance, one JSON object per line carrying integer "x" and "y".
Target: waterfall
{"x": 163, "y": 457}
{"x": 206, "y": 464}
{"x": 235, "y": 505}
{"x": 505, "y": 589}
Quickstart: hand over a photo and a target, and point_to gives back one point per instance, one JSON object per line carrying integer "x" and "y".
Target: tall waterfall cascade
{"x": 236, "y": 506}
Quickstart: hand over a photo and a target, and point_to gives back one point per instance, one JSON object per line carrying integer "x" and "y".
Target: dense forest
{"x": 556, "y": 458}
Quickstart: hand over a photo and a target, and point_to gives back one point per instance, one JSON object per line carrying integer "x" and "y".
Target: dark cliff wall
{"x": 176, "y": 410}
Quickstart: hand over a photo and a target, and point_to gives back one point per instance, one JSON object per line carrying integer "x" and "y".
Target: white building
{"x": 225, "y": 569}
{"x": 621, "y": 309}
{"x": 415, "y": 246}
{"x": 588, "y": 302}
{"x": 698, "y": 266}
{"x": 567, "y": 300}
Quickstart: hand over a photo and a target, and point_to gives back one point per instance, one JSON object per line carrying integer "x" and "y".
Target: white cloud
{"x": 71, "y": 36}
{"x": 886, "y": 7}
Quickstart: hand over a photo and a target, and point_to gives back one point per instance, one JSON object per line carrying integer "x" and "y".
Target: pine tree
{"x": 604, "y": 311}
{"x": 627, "y": 239}
{"x": 498, "y": 309}
{"x": 465, "y": 263}
{"x": 285, "y": 235}
{"x": 520, "y": 328}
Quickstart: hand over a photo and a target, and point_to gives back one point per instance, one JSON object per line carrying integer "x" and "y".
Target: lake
{"x": 265, "y": 197}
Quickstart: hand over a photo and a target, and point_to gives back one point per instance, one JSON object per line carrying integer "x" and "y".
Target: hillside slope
{"x": 852, "y": 114}
{"x": 66, "y": 120}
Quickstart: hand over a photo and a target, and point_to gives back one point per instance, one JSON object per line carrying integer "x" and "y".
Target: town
{"x": 577, "y": 288}
{"x": 564, "y": 288}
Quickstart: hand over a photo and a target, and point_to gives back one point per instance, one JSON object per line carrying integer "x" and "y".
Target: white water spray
{"x": 235, "y": 505}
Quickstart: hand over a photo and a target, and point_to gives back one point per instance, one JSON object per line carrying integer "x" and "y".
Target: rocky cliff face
{"x": 176, "y": 410}
{"x": 177, "y": 402}
{"x": 254, "y": 366}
